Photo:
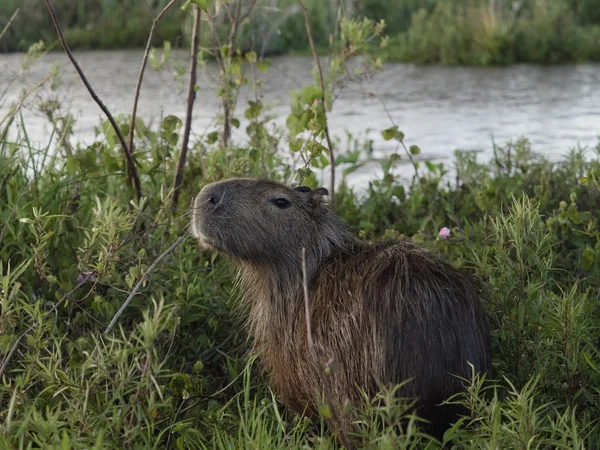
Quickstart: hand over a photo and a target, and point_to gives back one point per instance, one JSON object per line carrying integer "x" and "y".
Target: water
{"x": 438, "y": 108}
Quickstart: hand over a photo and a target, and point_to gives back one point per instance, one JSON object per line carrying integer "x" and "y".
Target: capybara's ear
{"x": 303, "y": 189}
{"x": 314, "y": 197}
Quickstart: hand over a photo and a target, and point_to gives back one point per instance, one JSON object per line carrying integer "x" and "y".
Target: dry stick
{"x": 10, "y": 354}
{"x": 139, "y": 284}
{"x": 130, "y": 162}
{"x": 318, "y": 63}
{"x": 313, "y": 350}
{"x": 190, "y": 106}
{"x": 142, "y": 69}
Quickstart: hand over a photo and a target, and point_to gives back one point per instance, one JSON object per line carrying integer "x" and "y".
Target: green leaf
{"x": 251, "y": 57}
{"x": 590, "y": 361}
{"x": 72, "y": 165}
{"x": 316, "y": 149}
{"x": 386, "y": 165}
{"x": 235, "y": 122}
{"x": 586, "y": 261}
{"x": 452, "y": 430}
{"x": 171, "y": 123}
{"x": 263, "y": 65}
{"x": 213, "y": 137}
{"x": 296, "y": 145}
{"x": 202, "y": 4}
{"x": 325, "y": 411}
{"x": 303, "y": 173}
{"x": 392, "y": 133}
{"x": 311, "y": 93}
{"x": 109, "y": 132}
{"x": 294, "y": 125}
{"x": 399, "y": 192}
{"x": 198, "y": 366}
{"x": 253, "y": 110}
{"x": 236, "y": 68}
{"x": 415, "y": 150}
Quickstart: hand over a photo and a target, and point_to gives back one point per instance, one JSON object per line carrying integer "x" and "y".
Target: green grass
{"x": 70, "y": 386}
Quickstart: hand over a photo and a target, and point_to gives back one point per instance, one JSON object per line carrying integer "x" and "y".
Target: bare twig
{"x": 130, "y": 162}
{"x": 313, "y": 350}
{"x": 273, "y": 27}
{"x": 408, "y": 153}
{"x": 9, "y": 22}
{"x": 142, "y": 69}
{"x": 236, "y": 19}
{"x": 10, "y": 354}
{"x": 139, "y": 284}
{"x": 190, "y": 106}
{"x": 323, "y": 104}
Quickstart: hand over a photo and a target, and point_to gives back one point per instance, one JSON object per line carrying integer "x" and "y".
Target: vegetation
{"x": 475, "y": 33}
{"x": 174, "y": 372}
{"x": 471, "y": 32}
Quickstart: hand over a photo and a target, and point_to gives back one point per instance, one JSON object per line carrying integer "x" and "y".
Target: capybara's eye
{"x": 281, "y": 203}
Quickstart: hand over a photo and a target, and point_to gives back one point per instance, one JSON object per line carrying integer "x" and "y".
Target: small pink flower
{"x": 444, "y": 233}
{"x": 316, "y": 102}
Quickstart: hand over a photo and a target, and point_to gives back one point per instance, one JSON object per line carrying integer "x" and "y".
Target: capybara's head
{"x": 260, "y": 221}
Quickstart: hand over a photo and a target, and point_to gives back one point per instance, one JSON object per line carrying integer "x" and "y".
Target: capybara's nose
{"x": 214, "y": 197}
{"x": 211, "y": 194}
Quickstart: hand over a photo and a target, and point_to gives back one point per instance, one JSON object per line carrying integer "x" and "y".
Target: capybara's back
{"x": 385, "y": 312}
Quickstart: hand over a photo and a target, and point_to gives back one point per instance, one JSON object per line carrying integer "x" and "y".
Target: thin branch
{"x": 248, "y": 11}
{"x": 238, "y": 20}
{"x": 408, "y": 153}
{"x": 10, "y": 354}
{"x": 313, "y": 350}
{"x": 142, "y": 69}
{"x": 139, "y": 284}
{"x": 130, "y": 162}
{"x": 190, "y": 106}
{"x": 9, "y": 22}
{"x": 234, "y": 26}
{"x": 228, "y": 104}
{"x": 322, "y": 83}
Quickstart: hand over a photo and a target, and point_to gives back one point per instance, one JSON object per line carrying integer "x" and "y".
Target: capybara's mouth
{"x": 206, "y": 241}
{"x": 201, "y": 232}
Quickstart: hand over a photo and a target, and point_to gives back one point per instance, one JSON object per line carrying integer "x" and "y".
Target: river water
{"x": 439, "y": 109}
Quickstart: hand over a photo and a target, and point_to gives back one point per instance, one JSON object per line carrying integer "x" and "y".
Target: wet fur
{"x": 385, "y": 312}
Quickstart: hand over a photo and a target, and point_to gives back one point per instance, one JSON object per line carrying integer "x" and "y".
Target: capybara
{"x": 385, "y": 312}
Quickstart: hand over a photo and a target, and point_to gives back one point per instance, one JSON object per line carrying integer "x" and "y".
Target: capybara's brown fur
{"x": 385, "y": 312}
